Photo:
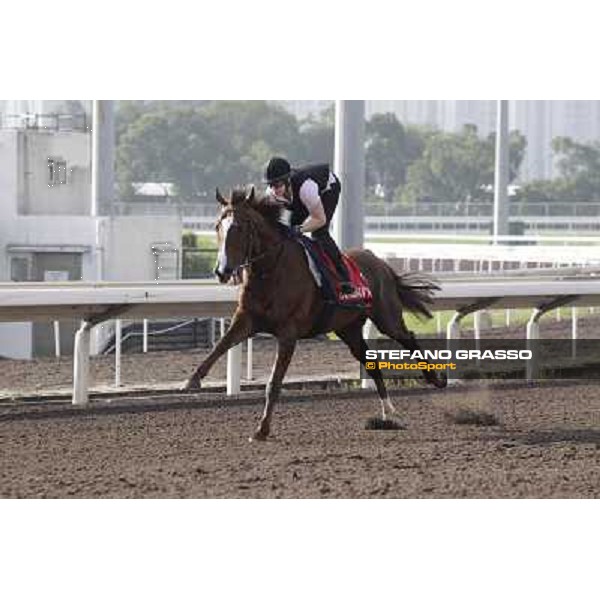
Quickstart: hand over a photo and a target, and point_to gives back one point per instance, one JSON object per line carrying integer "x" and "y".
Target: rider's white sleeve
{"x": 309, "y": 195}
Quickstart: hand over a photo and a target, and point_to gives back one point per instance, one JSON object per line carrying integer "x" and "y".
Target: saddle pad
{"x": 326, "y": 276}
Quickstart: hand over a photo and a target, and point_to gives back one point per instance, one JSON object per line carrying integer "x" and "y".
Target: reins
{"x": 250, "y": 260}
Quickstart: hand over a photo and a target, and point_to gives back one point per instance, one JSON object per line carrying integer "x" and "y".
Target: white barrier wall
{"x": 79, "y": 300}
{"x": 122, "y": 252}
{"x": 559, "y": 255}
{"x": 16, "y": 340}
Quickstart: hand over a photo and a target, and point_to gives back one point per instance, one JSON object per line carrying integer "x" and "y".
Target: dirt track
{"x": 547, "y": 442}
{"x": 197, "y": 446}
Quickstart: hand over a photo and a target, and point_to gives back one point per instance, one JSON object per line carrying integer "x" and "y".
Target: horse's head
{"x": 234, "y": 232}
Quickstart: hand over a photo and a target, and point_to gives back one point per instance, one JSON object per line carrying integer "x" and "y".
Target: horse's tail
{"x": 416, "y": 292}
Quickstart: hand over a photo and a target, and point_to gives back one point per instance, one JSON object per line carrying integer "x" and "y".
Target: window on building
{"x": 57, "y": 171}
{"x": 20, "y": 268}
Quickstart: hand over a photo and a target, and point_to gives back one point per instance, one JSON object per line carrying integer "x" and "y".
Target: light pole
{"x": 103, "y": 157}
{"x": 501, "y": 173}
{"x": 349, "y": 165}
{"x": 103, "y": 172}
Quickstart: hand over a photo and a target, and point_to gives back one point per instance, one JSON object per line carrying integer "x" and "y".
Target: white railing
{"x": 472, "y": 224}
{"x": 485, "y": 209}
{"x": 94, "y": 303}
{"x": 485, "y": 257}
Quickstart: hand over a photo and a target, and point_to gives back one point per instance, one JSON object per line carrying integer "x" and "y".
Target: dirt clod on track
{"x": 546, "y": 442}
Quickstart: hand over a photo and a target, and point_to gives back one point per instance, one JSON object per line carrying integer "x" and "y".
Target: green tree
{"x": 251, "y": 132}
{"x": 458, "y": 167}
{"x": 545, "y": 190}
{"x": 390, "y": 149}
{"x": 199, "y": 146}
{"x": 127, "y": 112}
{"x": 578, "y": 166}
{"x": 175, "y": 145}
{"x": 317, "y": 136}
{"x": 199, "y": 254}
{"x": 517, "y": 144}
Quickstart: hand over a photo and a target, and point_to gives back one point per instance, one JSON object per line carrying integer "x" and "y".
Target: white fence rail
{"x": 484, "y": 257}
{"x": 94, "y": 303}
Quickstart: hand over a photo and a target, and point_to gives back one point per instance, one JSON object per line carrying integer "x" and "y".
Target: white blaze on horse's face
{"x": 222, "y": 256}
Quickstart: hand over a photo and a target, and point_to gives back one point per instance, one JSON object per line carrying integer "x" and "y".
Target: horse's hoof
{"x": 259, "y": 436}
{"x": 441, "y": 381}
{"x": 193, "y": 385}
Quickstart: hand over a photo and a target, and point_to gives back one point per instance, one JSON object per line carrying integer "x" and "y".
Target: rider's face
{"x": 280, "y": 188}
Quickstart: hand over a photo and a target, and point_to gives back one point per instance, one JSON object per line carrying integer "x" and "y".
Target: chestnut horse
{"x": 279, "y": 296}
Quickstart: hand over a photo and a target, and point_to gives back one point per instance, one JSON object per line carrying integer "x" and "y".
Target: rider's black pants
{"x": 330, "y": 200}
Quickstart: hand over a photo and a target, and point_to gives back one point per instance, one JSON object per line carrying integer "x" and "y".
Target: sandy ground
{"x": 546, "y": 442}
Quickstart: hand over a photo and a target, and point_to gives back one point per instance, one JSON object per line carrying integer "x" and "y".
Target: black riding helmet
{"x": 277, "y": 170}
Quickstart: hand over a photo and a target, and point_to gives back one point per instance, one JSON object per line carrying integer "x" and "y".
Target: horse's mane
{"x": 260, "y": 203}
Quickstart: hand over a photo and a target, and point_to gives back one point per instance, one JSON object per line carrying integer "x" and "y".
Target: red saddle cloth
{"x": 362, "y": 293}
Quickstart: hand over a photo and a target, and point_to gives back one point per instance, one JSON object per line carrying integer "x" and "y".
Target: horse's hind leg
{"x": 392, "y": 324}
{"x": 353, "y": 338}
{"x": 285, "y": 351}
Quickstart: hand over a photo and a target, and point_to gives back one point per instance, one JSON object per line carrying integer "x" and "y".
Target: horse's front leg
{"x": 239, "y": 330}
{"x": 285, "y": 351}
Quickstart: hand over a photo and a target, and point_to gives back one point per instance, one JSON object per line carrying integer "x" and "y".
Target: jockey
{"x": 311, "y": 194}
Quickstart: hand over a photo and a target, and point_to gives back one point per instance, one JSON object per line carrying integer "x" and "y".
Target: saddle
{"x": 327, "y": 278}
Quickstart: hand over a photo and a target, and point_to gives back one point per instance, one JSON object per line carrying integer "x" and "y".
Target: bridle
{"x": 249, "y": 259}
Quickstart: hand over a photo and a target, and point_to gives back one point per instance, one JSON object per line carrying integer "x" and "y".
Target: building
{"x": 543, "y": 120}
{"x": 534, "y": 119}
{"x": 49, "y": 230}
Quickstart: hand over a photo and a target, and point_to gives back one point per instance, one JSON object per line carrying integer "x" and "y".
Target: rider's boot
{"x": 334, "y": 253}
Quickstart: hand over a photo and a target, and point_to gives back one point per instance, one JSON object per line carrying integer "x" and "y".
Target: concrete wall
{"x": 21, "y": 236}
{"x": 38, "y": 236}
{"x": 24, "y": 185}
{"x": 39, "y": 222}
{"x": 128, "y": 245}
{"x": 9, "y": 183}
{"x": 38, "y": 196}
{"x": 124, "y": 253}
